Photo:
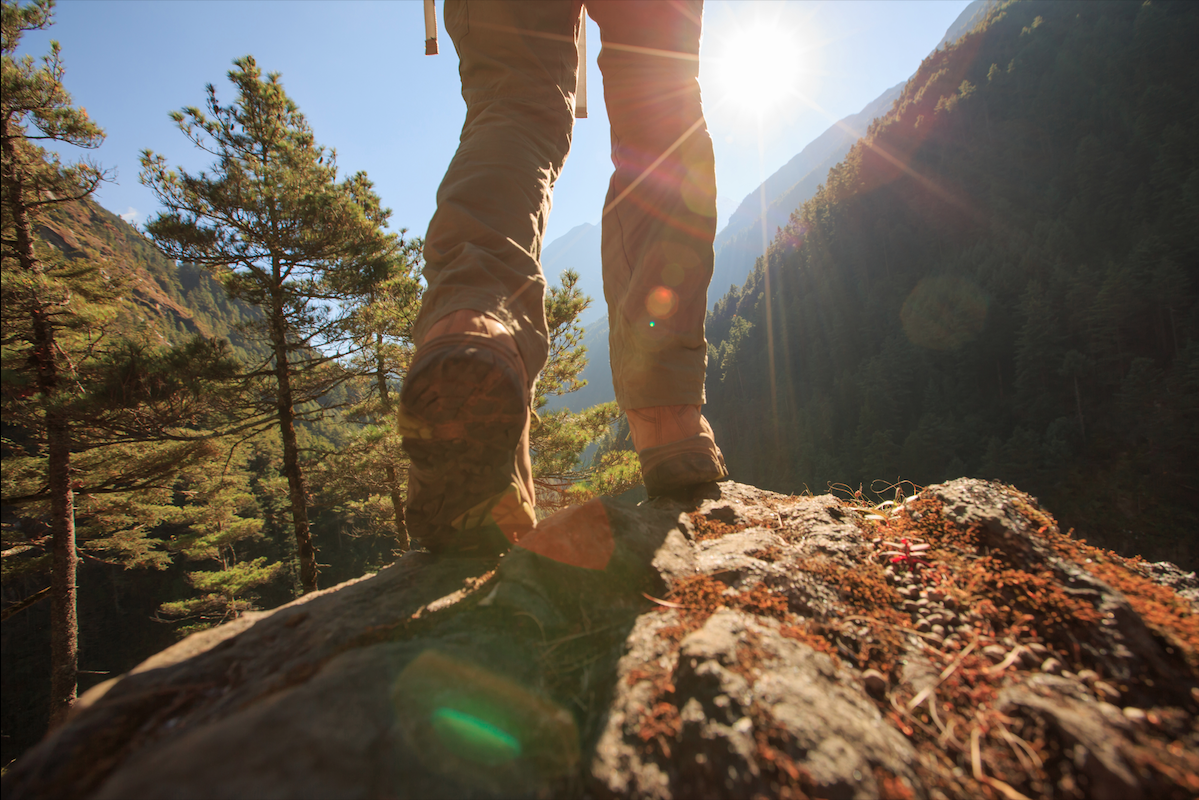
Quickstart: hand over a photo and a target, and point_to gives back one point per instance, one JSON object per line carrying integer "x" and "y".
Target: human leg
{"x": 658, "y": 227}
{"x": 518, "y": 62}
{"x": 482, "y": 335}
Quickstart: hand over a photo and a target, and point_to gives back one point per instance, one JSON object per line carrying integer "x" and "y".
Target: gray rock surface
{"x": 744, "y": 644}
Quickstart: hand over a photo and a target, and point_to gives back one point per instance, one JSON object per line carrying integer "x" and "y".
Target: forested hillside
{"x": 172, "y": 301}
{"x": 762, "y": 213}
{"x": 999, "y": 281}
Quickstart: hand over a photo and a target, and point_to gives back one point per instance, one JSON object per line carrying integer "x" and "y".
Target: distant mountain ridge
{"x": 750, "y": 228}
{"x": 578, "y": 249}
{"x": 972, "y": 16}
{"x": 741, "y": 241}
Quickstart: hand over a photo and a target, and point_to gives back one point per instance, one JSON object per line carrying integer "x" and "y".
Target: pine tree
{"x": 224, "y": 523}
{"x": 96, "y": 422}
{"x": 272, "y": 223}
{"x": 35, "y": 107}
{"x": 381, "y": 302}
{"x": 558, "y": 439}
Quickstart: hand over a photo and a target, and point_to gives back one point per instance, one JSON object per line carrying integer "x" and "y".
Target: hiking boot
{"x": 676, "y": 448}
{"x": 464, "y": 417}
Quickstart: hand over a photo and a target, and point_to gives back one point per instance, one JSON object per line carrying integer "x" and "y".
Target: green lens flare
{"x": 473, "y": 738}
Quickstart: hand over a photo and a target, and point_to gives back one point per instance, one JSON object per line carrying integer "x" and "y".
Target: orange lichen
{"x": 661, "y": 726}
{"x": 660, "y": 721}
{"x": 707, "y": 527}
{"x": 864, "y": 588}
{"x": 761, "y": 601}
{"x": 1014, "y": 594}
{"x": 1175, "y": 761}
{"x": 923, "y": 519}
{"x": 1002, "y": 589}
{"x": 866, "y": 591}
{"x": 964, "y": 701}
{"x": 1020, "y": 590}
{"x": 749, "y": 658}
{"x": 1028, "y": 603}
{"x": 700, "y": 596}
{"x": 882, "y": 648}
{"x": 802, "y": 633}
{"x": 1164, "y": 612}
{"x": 636, "y": 676}
{"x": 892, "y": 787}
{"x": 776, "y": 764}
{"x": 770, "y": 553}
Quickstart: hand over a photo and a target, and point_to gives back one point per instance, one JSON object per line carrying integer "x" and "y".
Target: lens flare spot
{"x": 579, "y": 535}
{"x": 474, "y": 738}
{"x": 944, "y": 312}
{"x": 464, "y": 721}
{"x": 672, "y": 275}
{"x": 661, "y": 303}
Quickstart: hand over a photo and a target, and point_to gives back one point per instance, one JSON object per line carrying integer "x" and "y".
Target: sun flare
{"x": 758, "y": 67}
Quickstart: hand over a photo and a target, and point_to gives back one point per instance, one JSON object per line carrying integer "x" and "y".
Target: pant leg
{"x": 518, "y": 63}
{"x": 660, "y": 214}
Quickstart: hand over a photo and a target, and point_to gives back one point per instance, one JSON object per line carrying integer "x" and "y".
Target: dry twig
{"x": 945, "y": 673}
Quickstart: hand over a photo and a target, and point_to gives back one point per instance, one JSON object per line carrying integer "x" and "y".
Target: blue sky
{"x": 358, "y": 71}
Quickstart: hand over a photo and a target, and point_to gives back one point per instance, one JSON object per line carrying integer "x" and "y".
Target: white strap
{"x": 430, "y": 28}
{"x": 581, "y": 82}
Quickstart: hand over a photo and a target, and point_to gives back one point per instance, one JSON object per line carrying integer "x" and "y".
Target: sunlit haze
{"x": 756, "y": 68}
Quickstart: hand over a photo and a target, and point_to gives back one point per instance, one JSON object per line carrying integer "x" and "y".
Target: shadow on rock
{"x": 432, "y": 677}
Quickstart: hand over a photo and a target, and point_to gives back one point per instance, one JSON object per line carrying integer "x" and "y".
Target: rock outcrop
{"x": 953, "y": 644}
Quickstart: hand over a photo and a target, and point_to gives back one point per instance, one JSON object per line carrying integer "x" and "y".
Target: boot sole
{"x": 462, "y": 414}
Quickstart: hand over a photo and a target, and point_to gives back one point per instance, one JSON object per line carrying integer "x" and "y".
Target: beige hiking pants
{"x": 519, "y": 62}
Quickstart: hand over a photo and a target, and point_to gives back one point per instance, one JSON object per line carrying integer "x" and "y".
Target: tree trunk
{"x": 64, "y": 623}
{"x": 393, "y": 480}
{"x": 397, "y": 503}
{"x": 297, "y": 490}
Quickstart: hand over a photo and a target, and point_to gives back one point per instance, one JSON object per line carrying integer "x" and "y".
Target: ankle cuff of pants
{"x": 532, "y": 347}
{"x": 681, "y": 464}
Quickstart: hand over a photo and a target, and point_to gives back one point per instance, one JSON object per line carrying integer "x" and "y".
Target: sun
{"x": 757, "y": 67}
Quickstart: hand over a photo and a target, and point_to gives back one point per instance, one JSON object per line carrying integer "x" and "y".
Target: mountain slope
{"x": 750, "y": 227}
{"x": 1000, "y": 281}
{"x": 169, "y": 301}
{"x": 742, "y": 239}
{"x": 971, "y": 17}
{"x": 578, "y": 249}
